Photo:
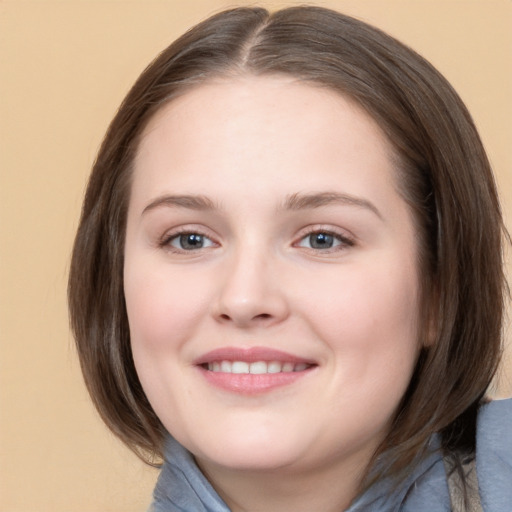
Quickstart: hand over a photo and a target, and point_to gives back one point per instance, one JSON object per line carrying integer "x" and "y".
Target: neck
{"x": 330, "y": 489}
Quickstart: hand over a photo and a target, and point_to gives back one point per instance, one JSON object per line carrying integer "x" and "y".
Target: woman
{"x": 288, "y": 281}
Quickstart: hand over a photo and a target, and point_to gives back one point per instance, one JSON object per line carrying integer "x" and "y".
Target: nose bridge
{"x": 250, "y": 292}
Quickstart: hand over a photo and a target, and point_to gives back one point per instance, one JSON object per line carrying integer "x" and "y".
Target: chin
{"x": 262, "y": 460}
{"x": 251, "y": 453}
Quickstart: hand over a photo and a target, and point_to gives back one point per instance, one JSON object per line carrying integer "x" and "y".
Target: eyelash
{"x": 343, "y": 240}
{"x": 166, "y": 241}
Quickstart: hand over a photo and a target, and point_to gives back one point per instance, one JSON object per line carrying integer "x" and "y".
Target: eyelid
{"x": 347, "y": 239}
{"x": 169, "y": 235}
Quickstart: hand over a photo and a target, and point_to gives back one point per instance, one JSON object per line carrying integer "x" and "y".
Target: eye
{"x": 189, "y": 242}
{"x": 324, "y": 240}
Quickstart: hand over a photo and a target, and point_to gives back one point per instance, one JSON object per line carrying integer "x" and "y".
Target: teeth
{"x": 256, "y": 368}
{"x": 239, "y": 367}
{"x": 274, "y": 367}
{"x": 225, "y": 366}
{"x": 288, "y": 367}
{"x": 259, "y": 367}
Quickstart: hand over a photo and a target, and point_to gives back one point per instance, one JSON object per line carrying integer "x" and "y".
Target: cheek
{"x": 369, "y": 315}
{"x": 164, "y": 312}
{"x": 163, "y": 307}
{"x": 374, "y": 342}
{"x": 385, "y": 308}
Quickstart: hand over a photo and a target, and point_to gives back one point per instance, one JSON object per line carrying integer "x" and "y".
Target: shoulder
{"x": 494, "y": 455}
{"x": 494, "y": 430}
{"x": 429, "y": 487}
{"x": 496, "y": 413}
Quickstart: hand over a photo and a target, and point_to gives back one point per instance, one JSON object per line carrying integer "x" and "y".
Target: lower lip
{"x": 252, "y": 384}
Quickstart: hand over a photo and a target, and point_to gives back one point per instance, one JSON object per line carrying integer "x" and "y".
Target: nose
{"x": 250, "y": 292}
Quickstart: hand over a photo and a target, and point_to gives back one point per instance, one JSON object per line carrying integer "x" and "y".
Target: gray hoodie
{"x": 181, "y": 486}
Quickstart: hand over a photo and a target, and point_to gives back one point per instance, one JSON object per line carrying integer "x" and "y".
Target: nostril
{"x": 263, "y": 316}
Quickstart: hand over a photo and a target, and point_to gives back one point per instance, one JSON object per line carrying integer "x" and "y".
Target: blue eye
{"x": 323, "y": 240}
{"x": 189, "y": 241}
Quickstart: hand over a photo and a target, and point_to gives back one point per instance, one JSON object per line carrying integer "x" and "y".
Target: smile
{"x": 257, "y": 367}
{"x": 254, "y": 370}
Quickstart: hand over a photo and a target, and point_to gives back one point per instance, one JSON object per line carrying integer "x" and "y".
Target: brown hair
{"x": 443, "y": 173}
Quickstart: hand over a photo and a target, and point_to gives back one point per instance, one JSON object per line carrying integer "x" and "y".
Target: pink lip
{"x": 246, "y": 383}
{"x": 249, "y": 355}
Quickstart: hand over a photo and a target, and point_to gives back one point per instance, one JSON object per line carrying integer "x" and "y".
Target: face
{"x": 270, "y": 276}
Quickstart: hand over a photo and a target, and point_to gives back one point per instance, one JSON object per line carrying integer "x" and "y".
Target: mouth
{"x": 255, "y": 368}
{"x": 252, "y": 371}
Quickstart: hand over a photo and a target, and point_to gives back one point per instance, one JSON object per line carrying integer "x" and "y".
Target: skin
{"x": 250, "y": 145}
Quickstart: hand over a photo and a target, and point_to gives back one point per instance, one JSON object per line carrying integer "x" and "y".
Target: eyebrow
{"x": 191, "y": 202}
{"x": 295, "y": 201}
{"x": 306, "y": 201}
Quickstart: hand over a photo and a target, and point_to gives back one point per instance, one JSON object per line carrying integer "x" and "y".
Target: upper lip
{"x": 250, "y": 355}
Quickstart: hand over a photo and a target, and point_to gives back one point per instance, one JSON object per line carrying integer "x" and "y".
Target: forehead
{"x": 275, "y": 97}
{"x": 249, "y": 145}
{"x": 258, "y": 116}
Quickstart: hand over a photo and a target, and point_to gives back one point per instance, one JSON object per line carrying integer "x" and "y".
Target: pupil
{"x": 191, "y": 241}
{"x": 321, "y": 240}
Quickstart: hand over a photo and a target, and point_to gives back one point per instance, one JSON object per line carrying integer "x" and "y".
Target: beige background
{"x": 65, "y": 66}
